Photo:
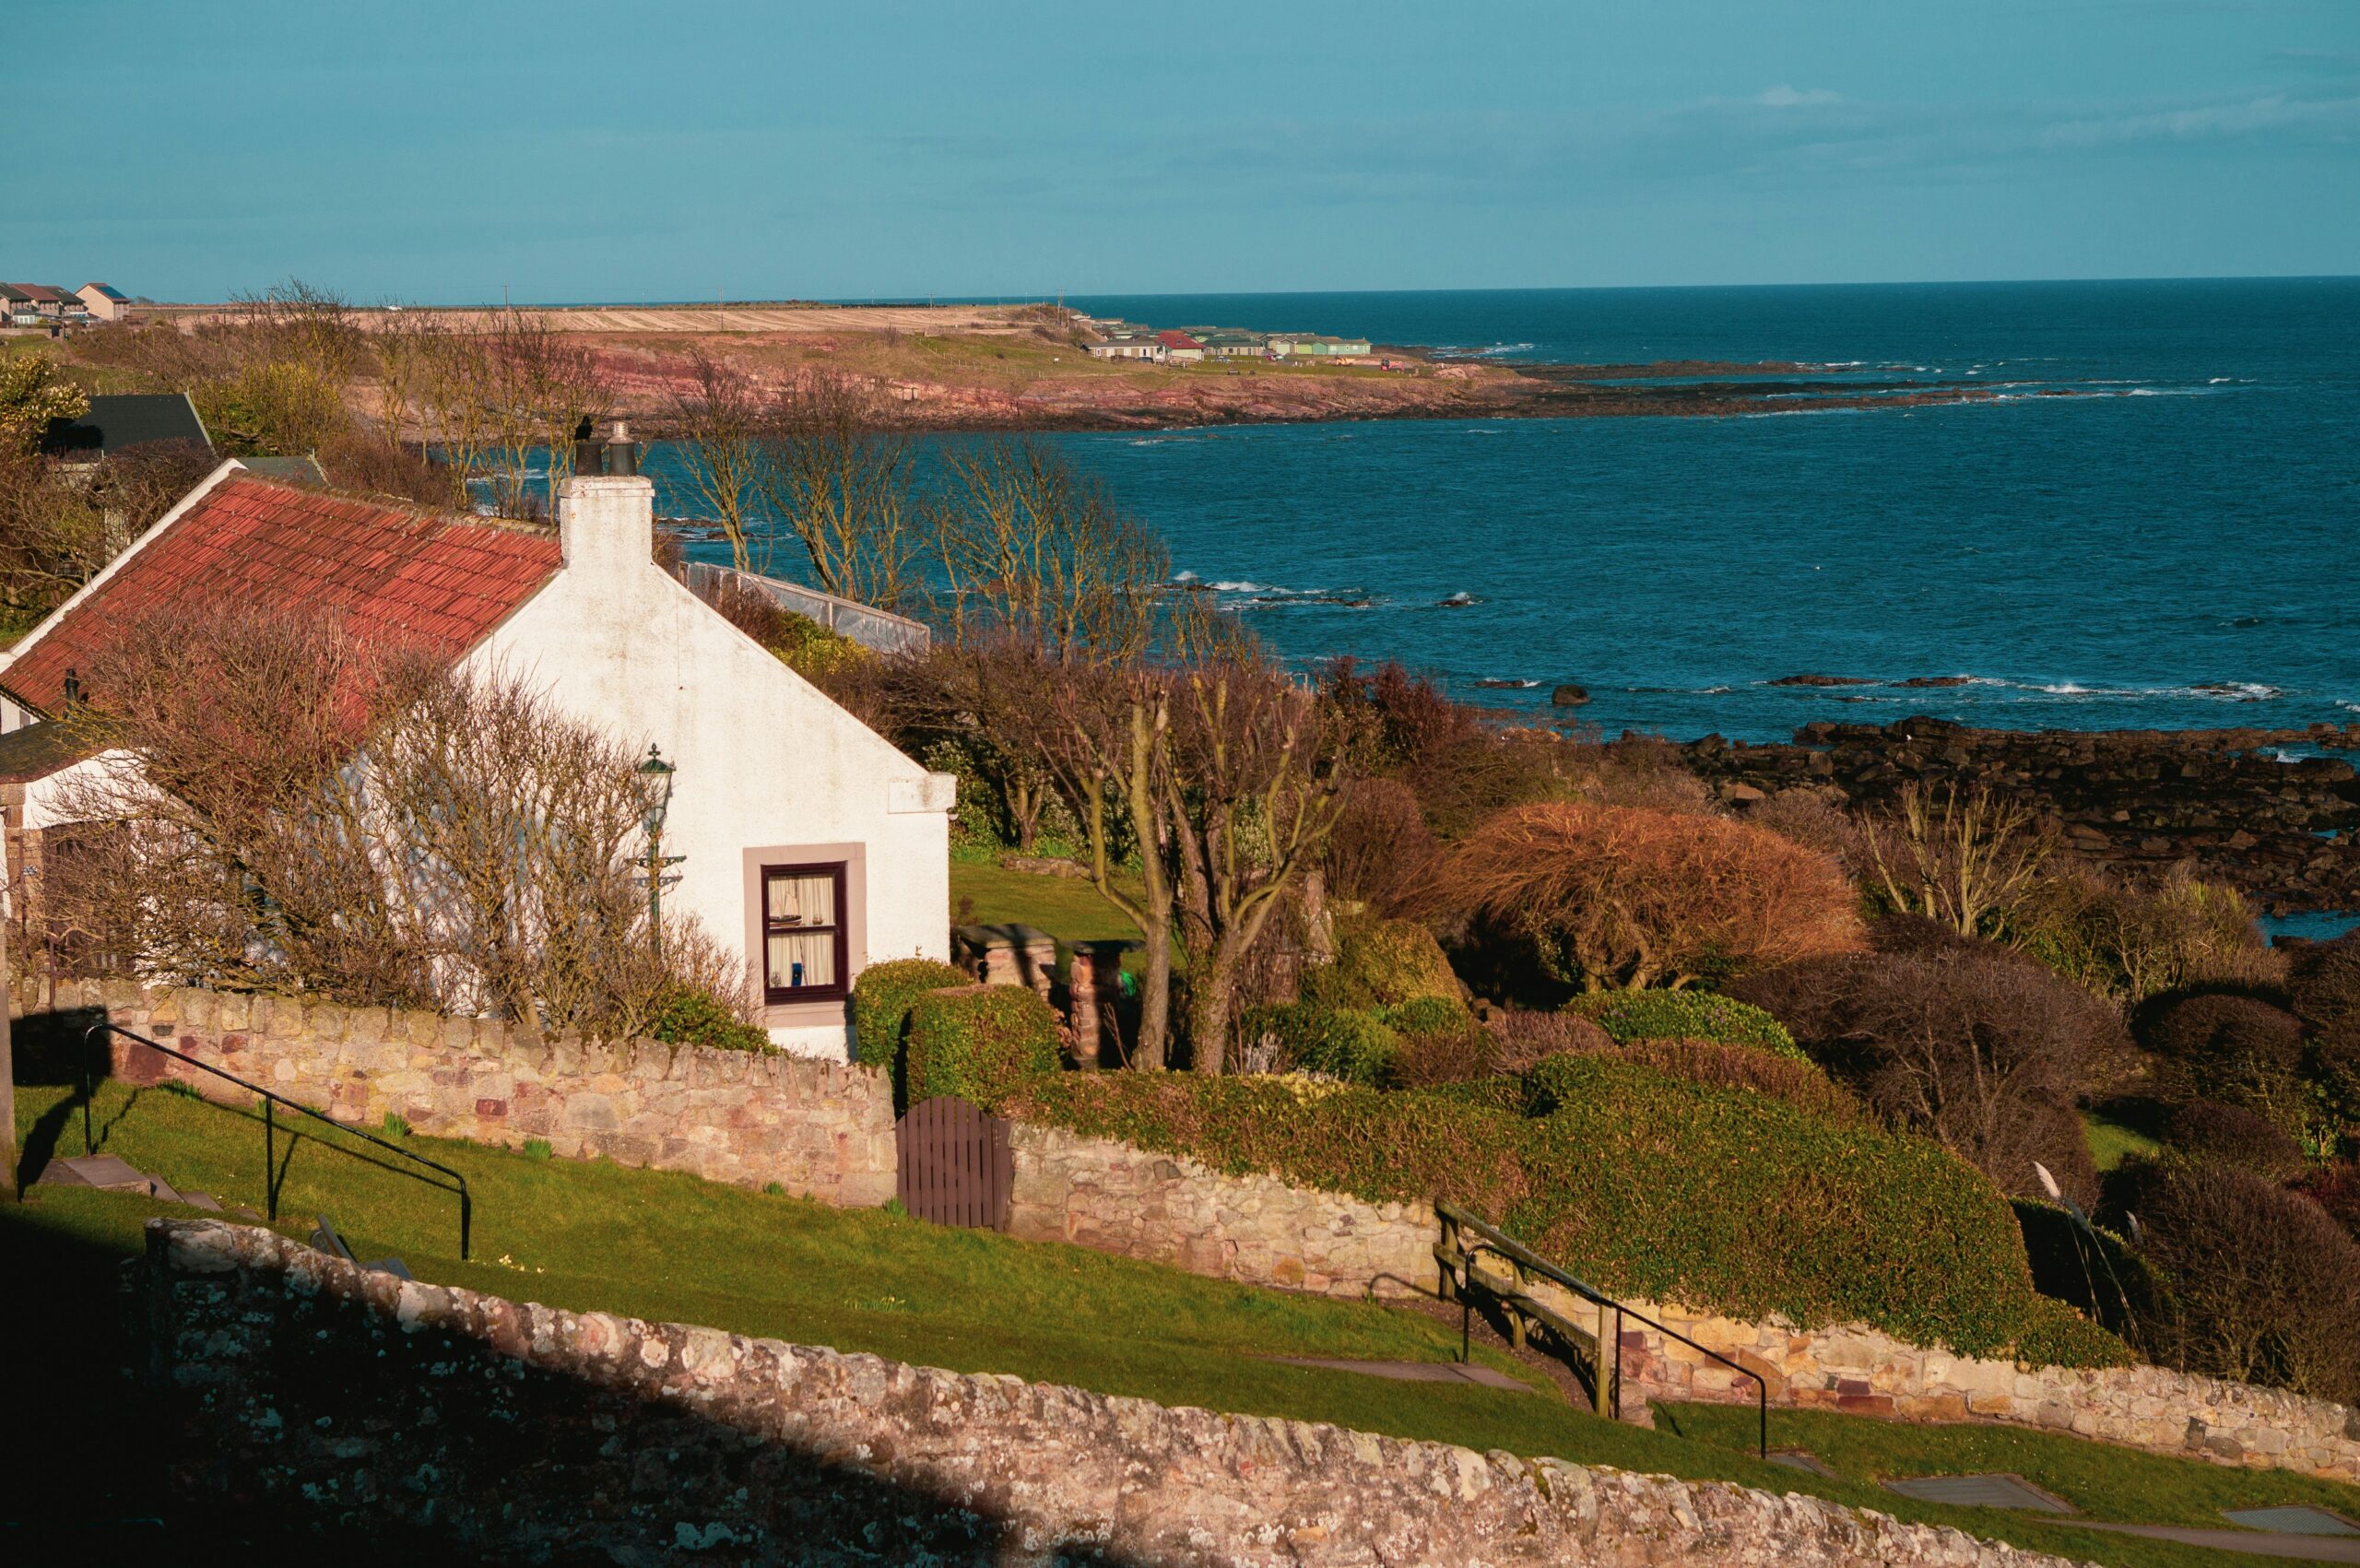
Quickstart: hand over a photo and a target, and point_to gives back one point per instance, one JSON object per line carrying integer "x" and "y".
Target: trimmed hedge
{"x": 1685, "y": 1015}
{"x": 882, "y": 997}
{"x": 1341, "y": 1042}
{"x": 980, "y": 1042}
{"x": 1427, "y": 1015}
{"x": 1716, "y": 1199}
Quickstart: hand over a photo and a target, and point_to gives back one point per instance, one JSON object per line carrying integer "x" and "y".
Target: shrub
{"x": 2233, "y": 1049}
{"x": 882, "y": 999}
{"x": 1712, "y": 1197}
{"x": 979, "y": 1043}
{"x": 1464, "y": 1055}
{"x": 2336, "y": 1188}
{"x": 2260, "y": 1285}
{"x": 1817, "y": 823}
{"x": 2232, "y": 1136}
{"x": 687, "y": 1016}
{"x": 1685, "y": 1015}
{"x": 2127, "y": 942}
{"x": 1974, "y": 1046}
{"x": 1379, "y": 849}
{"x": 1380, "y": 963}
{"x": 1427, "y": 1015}
{"x": 2088, "y": 1266}
{"x": 1342, "y": 1043}
{"x": 1527, "y": 1037}
{"x": 2323, "y": 980}
{"x": 1626, "y": 897}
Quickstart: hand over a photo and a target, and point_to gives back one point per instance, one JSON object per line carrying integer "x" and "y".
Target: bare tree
{"x": 1250, "y": 793}
{"x": 719, "y": 419}
{"x": 542, "y": 384}
{"x": 844, "y": 485}
{"x": 1029, "y": 549}
{"x": 290, "y": 808}
{"x": 1962, "y": 858}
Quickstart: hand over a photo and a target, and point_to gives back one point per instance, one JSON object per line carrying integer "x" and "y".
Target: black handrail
{"x": 1515, "y": 1252}
{"x": 269, "y": 1124}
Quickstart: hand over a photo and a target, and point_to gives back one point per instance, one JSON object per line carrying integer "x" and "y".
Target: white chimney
{"x": 607, "y": 523}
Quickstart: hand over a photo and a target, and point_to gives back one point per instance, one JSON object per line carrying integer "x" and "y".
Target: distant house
{"x": 1179, "y": 348}
{"x": 813, "y": 847}
{"x": 1141, "y": 345}
{"x": 16, "y": 308}
{"x": 1227, "y": 343}
{"x": 1312, "y": 346}
{"x": 119, "y": 420}
{"x": 48, "y": 303}
{"x": 103, "y": 301}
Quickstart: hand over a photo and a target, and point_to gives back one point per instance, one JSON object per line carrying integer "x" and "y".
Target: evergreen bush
{"x": 692, "y": 1017}
{"x": 1342, "y": 1043}
{"x": 1381, "y": 963}
{"x": 1718, "y": 1198}
{"x": 979, "y": 1043}
{"x": 882, "y": 999}
{"x": 1685, "y": 1015}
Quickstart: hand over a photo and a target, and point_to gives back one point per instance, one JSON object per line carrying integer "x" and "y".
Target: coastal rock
{"x": 1568, "y": 696}
{"x": 1822, "y": 680}
{"x": 2285, "y": 833}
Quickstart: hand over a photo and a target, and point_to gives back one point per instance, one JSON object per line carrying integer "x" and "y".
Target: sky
{"x": 453, "y": 153}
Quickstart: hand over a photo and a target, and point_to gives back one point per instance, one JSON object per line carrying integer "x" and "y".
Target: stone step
{"x": 107, "y": 1174}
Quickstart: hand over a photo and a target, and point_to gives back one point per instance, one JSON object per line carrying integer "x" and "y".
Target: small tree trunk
{"x": 7, "y": 1073}
{"x": 1212, "y": 986}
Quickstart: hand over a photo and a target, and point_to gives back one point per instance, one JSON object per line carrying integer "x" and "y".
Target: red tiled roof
{"x": 1177, "y": 340}
{"x": 437, "y": 583}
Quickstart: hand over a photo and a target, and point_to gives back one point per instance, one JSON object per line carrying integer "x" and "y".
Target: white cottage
{"x": 810, "y": 843}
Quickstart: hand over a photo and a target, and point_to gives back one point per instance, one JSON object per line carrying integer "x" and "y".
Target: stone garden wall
{"x": 1114, "y": 1198}
{"x": 1861, "y": 1372}
{"x": 818, "y": 1130}
{"x": 452, "y": 1424}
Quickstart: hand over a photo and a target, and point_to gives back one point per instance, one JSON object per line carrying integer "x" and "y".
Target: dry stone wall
{"x": 818, "y": 1130}
{"x": 461, "y": 1423}
{"x": 1114, "y": 1197}
{"x": 1859, "y": 1370}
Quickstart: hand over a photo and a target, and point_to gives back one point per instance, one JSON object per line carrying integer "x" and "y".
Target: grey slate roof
{"x": 121, "y": 420}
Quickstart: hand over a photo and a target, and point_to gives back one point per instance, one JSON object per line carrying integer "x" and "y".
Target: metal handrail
{"x": 1515, "y": 1252}
{"x": 269, "y": 1124}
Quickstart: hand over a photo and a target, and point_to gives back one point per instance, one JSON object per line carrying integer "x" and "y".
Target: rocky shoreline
{"x": 2284, "y": 833}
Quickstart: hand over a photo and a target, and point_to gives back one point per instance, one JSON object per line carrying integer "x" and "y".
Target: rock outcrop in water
{"x": 2285, "y": 833}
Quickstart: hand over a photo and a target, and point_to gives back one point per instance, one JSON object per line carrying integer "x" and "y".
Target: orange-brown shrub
{"x": 1624, "y": 896}
{"x": 1525, "y": 1037}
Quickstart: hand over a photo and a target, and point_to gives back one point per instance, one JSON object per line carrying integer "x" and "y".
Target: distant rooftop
{"x": 117, "y": 420}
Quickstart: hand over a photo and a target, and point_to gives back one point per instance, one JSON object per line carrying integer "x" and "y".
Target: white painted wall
{"x": 764, "y": 757}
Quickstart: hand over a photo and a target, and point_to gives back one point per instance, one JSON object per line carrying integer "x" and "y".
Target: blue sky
{"x": 584, "y": 150}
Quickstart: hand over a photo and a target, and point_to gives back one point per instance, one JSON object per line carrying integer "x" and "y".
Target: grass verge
{"x": 592, "y": 1235}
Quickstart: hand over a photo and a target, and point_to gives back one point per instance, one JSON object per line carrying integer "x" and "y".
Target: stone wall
{"x": 1861, "y": 1372}
{"x": 818, "y": 1130}
{"x": 455, "y": 1423}
{"x": 1114, "y": 1198}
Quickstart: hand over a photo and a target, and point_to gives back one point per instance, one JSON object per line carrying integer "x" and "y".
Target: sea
{"x": 2175, "y": 544}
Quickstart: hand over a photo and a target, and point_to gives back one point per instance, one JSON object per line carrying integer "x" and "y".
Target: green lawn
{"x": 594, "y": 1235}
{"x": 2111, "y": 1142}
{"x": 1067, "y": 908}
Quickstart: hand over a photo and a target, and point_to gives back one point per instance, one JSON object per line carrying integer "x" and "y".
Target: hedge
{"x": 1685, "y": 1015}
{"x": 882, "y": 999}
{"x": 1427, "y": 1015}
{"x": 689, "y": 1015}
{"x": 980, "y": 1042}
{"x": 1341, "y": 1042}
{"x": 1716, "y": 1199}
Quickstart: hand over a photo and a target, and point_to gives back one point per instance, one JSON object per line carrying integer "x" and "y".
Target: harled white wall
{"x": 764, "y": 758}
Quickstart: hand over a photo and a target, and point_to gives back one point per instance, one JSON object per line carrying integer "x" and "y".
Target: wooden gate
{"x": 955, "y": 1165}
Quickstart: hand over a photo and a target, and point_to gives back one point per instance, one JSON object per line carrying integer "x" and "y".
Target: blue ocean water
{"x": 2176, "y": 545}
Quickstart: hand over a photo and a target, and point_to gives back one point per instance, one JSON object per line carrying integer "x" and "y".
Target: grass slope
{"x": 592, "y": 1235}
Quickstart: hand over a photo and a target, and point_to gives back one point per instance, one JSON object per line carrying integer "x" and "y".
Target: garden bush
{"x": 2323, "y": 980}
{"x": 2233, "y": 1049}
{"x": 2260, "y": 1284}
{"x": 882, "y": 999}
{"x": 1527, "y": 1037}
{"x": 685, "y": 1016}
{"x": 1380, "y": 963}
{"x": 1685, "y": 1015}
{"x": 979, "y": 1043}
{"x": 1464, "y": 1055}
{"x": 1797, "y": 1080}
{"x": 1713, "y": 1198}
{"x": 2236, "y": 1137}
{"x": 1427, "y": 1015}
{"x": 1342, "y": 1043}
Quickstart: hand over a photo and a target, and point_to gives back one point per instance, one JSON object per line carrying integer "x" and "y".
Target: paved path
{"x": 1415, "y": 1372}
{"x": 2307, "y": 1549}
